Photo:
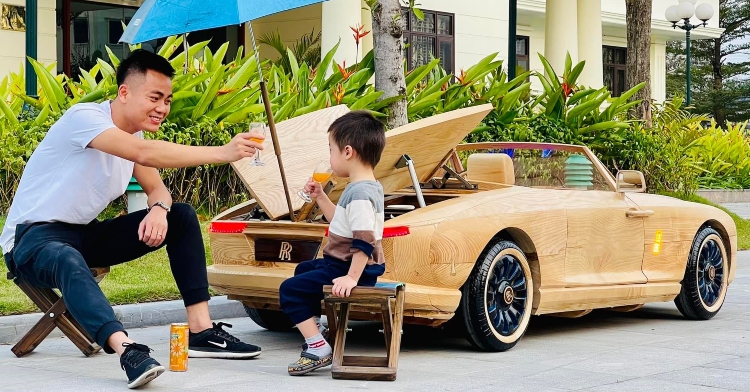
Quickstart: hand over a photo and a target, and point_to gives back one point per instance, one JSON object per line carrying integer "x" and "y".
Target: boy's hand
{"x": 342, "y": 286}
{"x": 314, "y": 189}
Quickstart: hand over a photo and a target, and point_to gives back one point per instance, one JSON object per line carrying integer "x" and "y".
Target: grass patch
{"x": 743, "y": 225}
{"x": 146, "y": 279}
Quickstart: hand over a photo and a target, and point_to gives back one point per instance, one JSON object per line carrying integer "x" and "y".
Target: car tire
{"x": 704, "y": 285}
{"x": 272, "y": 320}
{"x": 496, "y": 300}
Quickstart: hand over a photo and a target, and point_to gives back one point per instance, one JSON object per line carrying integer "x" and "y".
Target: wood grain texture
{"x": 262, "y": 280}
{"x": 584, "y": 251}
{"x": 577, "y": 298}
{"x": 304, "y": 142}
{"x": 604, "y": 245}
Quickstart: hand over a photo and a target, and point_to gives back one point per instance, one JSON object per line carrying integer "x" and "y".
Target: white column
{"x": 338, "y": 16}
{"x": 659, "y": 71}
{"x": 590, "y": 43}
{"x": 561, "y": 33}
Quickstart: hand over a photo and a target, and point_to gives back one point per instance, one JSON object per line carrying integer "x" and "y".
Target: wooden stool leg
{"x": 398, "y": 323}
{"x": 67, "y": 318}
{"x": 340, "y": 340}
{"x": 39, "y": 331}
{"x": 331, "y": 315}
{"x": 387, "y": 325}
{"x": 56, "y": 315}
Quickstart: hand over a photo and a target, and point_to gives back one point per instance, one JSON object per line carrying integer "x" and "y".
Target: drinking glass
{"x": 261, "y": 129}
{"x": 321, "y": 174}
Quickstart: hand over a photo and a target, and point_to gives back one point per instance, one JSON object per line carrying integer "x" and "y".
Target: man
{"x": 51, "y": 236}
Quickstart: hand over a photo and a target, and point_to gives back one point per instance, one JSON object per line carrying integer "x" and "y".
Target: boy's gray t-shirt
{"x": 358, "y": 223}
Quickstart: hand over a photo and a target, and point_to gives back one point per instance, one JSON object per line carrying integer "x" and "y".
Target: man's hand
{"x": 314, "y": 189}
{"x": 342, "y": 286}
{"x": 243, "y": 145}
{"x": 153, "y": 228}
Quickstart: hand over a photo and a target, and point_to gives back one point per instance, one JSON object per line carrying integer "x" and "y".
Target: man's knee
{"x": 183, "y": 211}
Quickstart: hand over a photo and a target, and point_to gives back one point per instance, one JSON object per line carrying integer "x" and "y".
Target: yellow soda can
{"x": 178, "y": 347}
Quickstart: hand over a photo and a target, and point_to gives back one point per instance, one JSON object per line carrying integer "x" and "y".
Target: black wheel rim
{"x": 506, "y": 295}
{"x": 710, "y": 272}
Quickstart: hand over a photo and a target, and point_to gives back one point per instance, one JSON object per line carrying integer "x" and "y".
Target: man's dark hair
{"x": 141, "y": 61}
{"x": 363, "y": 132}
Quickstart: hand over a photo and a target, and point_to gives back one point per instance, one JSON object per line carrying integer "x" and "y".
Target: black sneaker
{"x": 217, "y": 343}
{"x": 138, "y": 364}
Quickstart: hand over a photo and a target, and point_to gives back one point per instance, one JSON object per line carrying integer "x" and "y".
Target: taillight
{"x": 227, "y": 227}
{"x": 395, "y": 231}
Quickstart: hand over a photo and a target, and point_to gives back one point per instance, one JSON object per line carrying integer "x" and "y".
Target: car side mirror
{"x": 631, "y": 181}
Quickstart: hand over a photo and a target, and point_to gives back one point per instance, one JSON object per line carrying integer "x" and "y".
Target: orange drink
{"x": 321, "y": 177}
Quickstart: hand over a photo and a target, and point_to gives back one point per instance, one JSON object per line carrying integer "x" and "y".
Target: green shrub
{"x": 213, "y": 101}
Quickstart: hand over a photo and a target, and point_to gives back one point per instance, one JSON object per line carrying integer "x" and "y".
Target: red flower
{"x": 359, "y": 33}
{"x": 567, "y": 90}
{"x": 344, "y": 73}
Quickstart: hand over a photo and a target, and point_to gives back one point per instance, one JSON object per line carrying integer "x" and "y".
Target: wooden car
{"x": 491, "y": 234}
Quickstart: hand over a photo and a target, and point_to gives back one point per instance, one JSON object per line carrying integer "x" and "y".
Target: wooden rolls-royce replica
{"x": 488, "y": 233}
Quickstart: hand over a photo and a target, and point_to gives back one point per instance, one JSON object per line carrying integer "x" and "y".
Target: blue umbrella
{"x": 163, "y": 18}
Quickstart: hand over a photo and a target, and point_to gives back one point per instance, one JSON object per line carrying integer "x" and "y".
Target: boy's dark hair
{"x": 141, "y": 61}
{"x": 363, "y": 132}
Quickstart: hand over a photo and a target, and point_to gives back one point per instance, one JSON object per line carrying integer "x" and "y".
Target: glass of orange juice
{"x": 321, "y": 174}
{"x": 261, "y": 129}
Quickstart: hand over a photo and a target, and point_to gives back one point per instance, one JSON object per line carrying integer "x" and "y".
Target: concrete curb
{"x": 12, "y": 328}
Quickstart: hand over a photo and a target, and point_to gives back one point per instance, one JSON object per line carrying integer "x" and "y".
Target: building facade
{"x": 460, "y": 33}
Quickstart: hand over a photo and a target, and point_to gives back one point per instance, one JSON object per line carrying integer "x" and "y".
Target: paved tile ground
{"x": 741, "y": 209}
{"x": 652, "y": 349}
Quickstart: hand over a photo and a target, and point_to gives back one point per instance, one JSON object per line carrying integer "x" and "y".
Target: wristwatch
{"x": 160, "y": 204}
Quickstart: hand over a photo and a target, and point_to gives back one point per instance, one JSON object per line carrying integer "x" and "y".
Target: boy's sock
{"x": 318, "y": 346}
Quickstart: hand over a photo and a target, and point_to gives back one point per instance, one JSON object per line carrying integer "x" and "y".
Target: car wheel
{"x": 705, "y": 283}
{"x": 272, "y": 320}
{"x": 496, "y": 300}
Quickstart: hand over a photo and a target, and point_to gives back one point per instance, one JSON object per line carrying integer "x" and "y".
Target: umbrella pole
{"x": 185, "y": 45}
{"x": 271, "y": 124}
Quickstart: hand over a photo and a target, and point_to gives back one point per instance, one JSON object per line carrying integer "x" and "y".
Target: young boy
{"x": 353, "y": 255}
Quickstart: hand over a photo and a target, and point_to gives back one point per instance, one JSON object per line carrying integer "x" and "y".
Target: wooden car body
{"x": 600, "y": 245}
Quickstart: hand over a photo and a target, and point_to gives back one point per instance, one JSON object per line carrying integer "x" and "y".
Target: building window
{"x": 615, "y": 69}
{"x": 522, "y": 54}
{"x": 115, "y": 31}
{"x": 428, "y": 38}
{"x": 81, "y": 31}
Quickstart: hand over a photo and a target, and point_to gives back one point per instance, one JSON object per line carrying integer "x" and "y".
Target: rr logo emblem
{"x": 286, "y": 251}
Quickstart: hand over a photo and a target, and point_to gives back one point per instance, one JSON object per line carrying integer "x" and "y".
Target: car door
{"x": 605, "y": 241}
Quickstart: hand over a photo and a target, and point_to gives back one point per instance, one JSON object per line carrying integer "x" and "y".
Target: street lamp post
{"x": 684, "y": 11}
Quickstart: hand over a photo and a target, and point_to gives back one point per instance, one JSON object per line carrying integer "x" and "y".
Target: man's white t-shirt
{"x": 66, "y": 181}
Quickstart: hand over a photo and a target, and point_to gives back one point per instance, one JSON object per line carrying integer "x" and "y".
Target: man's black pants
{"x": 59, "y": 255}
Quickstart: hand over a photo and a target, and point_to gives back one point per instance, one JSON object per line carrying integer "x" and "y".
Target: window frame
{"x": 409, "y": 34}
{"x": 613, "y": 67}
{"x": 527, "y": 56}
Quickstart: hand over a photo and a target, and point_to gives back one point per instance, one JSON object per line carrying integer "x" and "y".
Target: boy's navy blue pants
{"x": 59, "y": 255}
{"x": 300, "y": 295}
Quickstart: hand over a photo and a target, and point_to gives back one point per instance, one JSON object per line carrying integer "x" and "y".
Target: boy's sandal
{"x": 308, "y": 362}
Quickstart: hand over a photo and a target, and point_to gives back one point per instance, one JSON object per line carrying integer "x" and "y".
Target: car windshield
{"x": 542, "y": 167}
